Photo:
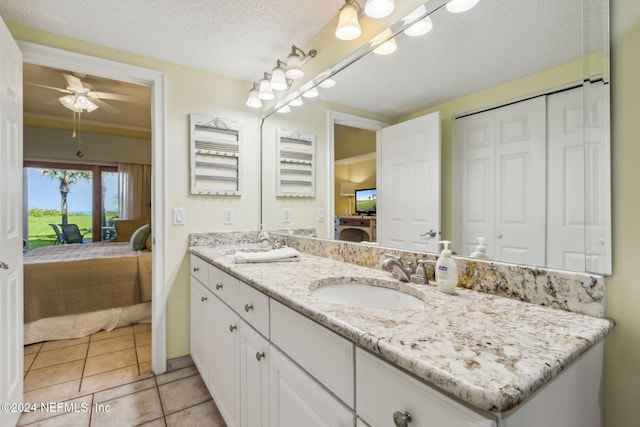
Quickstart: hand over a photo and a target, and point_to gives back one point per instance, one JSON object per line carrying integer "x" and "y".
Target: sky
{"x": 44, "y": 193}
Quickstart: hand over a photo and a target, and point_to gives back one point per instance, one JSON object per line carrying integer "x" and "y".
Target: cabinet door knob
{"x": 203, "y": 299}
{"x": 195, "y": 269}
{"x": 218, "y": 286}
{"x": 401, "y": 419}
{"x": 248, "y": 307}
{"x": 232, "y": 328}
{"x": 259, "y": 355}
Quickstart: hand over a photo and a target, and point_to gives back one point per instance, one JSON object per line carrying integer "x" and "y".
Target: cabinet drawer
{"x": 321, "y": 352}
{"x": 200, "y": 269}
{"x": 225, "y": 286}
{"x": 356, "y": 222}
{"x": 254, "y": 308}
{"x": 382, "y": 389}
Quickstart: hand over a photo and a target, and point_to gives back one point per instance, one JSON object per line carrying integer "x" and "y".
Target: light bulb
{"x": 254, "y": 100}
{"x": 265, "y": 92}
{"x": 378, "y": 8}
{"x": 458, "y": 6}
{"x": 278, "y": 80}
{"x": 294, "y": 71}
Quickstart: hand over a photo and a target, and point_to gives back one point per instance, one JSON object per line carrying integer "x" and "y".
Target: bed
{"x": 75, "y": 290}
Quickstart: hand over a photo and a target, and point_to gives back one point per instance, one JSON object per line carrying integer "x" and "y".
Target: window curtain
{"x": 134, "y": 183}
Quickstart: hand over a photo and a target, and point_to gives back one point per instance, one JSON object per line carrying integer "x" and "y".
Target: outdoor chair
{"x": 60, "y": 236}
{"x": 72, "y": 233}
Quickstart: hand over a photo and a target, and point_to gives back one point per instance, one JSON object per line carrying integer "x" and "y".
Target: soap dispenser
{"x": 481, "y": 250}
{"x": 446, "y": 270}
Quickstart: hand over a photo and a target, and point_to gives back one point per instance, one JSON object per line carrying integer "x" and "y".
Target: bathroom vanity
{"x": 273, "y": 353}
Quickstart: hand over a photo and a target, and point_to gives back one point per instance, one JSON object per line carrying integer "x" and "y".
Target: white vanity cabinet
{"x": 254, "y": 377}
{"x": 384, "y": 394}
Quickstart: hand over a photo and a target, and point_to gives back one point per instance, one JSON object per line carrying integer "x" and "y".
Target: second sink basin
{"x": 368, "y": 293}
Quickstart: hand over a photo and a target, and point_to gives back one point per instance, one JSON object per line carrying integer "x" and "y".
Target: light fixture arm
{"x": 305, "y": 57}
{"x": 352, "y": 3}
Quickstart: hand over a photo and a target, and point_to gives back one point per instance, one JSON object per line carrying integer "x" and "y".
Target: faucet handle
{"x": 392, "y": 256}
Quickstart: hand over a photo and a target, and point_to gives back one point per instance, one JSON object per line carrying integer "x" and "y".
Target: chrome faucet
{"x": 263, "y": 236}
{"x": 394, "y": 264}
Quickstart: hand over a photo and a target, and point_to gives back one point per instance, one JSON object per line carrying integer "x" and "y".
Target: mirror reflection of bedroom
{"x": 87, "y": 231}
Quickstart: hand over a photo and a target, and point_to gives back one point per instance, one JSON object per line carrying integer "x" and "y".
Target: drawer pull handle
{"x": 203, "y": 299}
{"x": 232, "y": 328}
{"x": 248, "y": 307}
{"x": 259, "y": 355}
{"x": 401, "y": 419}
{"x": 218, "y": 286}
{"x": 196, "y": 269}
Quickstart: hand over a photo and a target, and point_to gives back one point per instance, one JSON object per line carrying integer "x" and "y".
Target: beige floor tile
{"x": 143, "y": 338}
{"x": 73, "y": 405}
{"x": 52, "y": 345}
{"x": 123, "y": 390}
{"x": 38, "y": 378}
{"x": 204, "y": 414}
{"x": 144, "y": 353}
{"x": 28, "y": 360}
{"x": 110, "y": 345}
{"x": 145, "y": 368}
{"x": 75, "y": 419}
{"x": 182, "y": 394}
{"x": 157, "y": 423}
{"x": 130, "y": 410}
{"x": 32, "y": 348}
{"x": 53, "y": 393}
{"x": 177, "y": 374}
{"x": 102, "y": 335}
{"x": 139, "y": 327}
{"x": 109, "y": 362}
{"x": 60, "y": 355}
{"x": 109, "y": 379}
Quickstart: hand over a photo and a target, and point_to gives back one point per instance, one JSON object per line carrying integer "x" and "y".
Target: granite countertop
{"x": 490, "y": 351}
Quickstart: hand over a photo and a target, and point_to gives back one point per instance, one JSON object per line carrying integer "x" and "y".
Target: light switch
{"x": 228, "y": 216}
{"x": 286, "y": 215}
{"x": 320, "y": 215}
{"x": 178, "y": 216}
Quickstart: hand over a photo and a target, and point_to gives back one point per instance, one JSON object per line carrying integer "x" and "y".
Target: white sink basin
{"x": 367, "y": 293}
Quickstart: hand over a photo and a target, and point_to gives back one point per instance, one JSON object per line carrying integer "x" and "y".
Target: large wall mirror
{"x": 514, "y": 96}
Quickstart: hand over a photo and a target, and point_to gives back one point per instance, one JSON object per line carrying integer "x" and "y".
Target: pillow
{"x": 149, "y": 242}
{"x": 126, "y": 227}
{"x": 139, "y": 237}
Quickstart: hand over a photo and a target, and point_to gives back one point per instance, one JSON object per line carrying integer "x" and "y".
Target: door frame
{"x": 57, "y": 58}
{"x": 339, "y": 118}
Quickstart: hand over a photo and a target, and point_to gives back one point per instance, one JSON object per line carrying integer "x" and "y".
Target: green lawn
{"x": 42, "y": 234}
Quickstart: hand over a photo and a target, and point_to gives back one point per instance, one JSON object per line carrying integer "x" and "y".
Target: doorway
{"x": 56, "y": 58}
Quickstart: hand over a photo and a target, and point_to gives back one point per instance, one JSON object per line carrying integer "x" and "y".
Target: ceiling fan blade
{"x": 111, "y": 109}
{"x": 112, "y": 96}
{"x": 73, "y": 81}
{"x": 48, "y": 87}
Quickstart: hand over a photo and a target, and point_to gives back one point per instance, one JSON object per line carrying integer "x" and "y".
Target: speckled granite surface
{"x": 490, "y": 351}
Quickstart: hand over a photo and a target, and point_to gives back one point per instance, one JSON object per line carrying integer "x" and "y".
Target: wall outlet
{"x": 178, "y": 216}
{"x": 228, "y": 216}
{"x": 320, "y": 214}
{"x": 286, "y": 215}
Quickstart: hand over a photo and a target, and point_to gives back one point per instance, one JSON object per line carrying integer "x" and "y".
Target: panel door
{"x": 521, "y": 182}
{"x": 500, "y": 182}
{"x": 565, "y": 230}
{"x": 11, "y": 278}
{"x": 408, "y": 195}
{"x": 223, "y": 330}
{"x": 296, "y": 399}
{"x": 254, "y": 378}
{"x": 200, "y": 306}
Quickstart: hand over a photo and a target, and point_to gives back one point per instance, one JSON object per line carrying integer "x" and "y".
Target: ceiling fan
{"x": 80, "y": 98}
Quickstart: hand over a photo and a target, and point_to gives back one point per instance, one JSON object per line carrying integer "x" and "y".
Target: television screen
{"x": 366, "y": 201}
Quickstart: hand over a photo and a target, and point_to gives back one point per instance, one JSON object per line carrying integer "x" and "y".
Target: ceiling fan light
{"x": 294, "y": 70}
{"x": 348, "y": 26}
{"x": 278, "y": 80}
{"x": 265, "y": 92}
{"x": 378, "y": 8}
{"x": 69, "y": 102}
{"x": 458, "y": 6}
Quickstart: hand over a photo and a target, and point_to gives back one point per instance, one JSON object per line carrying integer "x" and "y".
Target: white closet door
{"x": 597, "y": 179}
{"x": 500, "y": 176}
{"x": 409, "y": 184}
{"x": 565, "y": 228}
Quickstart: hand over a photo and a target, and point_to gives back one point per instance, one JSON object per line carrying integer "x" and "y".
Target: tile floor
{"x": 106, "y": 380}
